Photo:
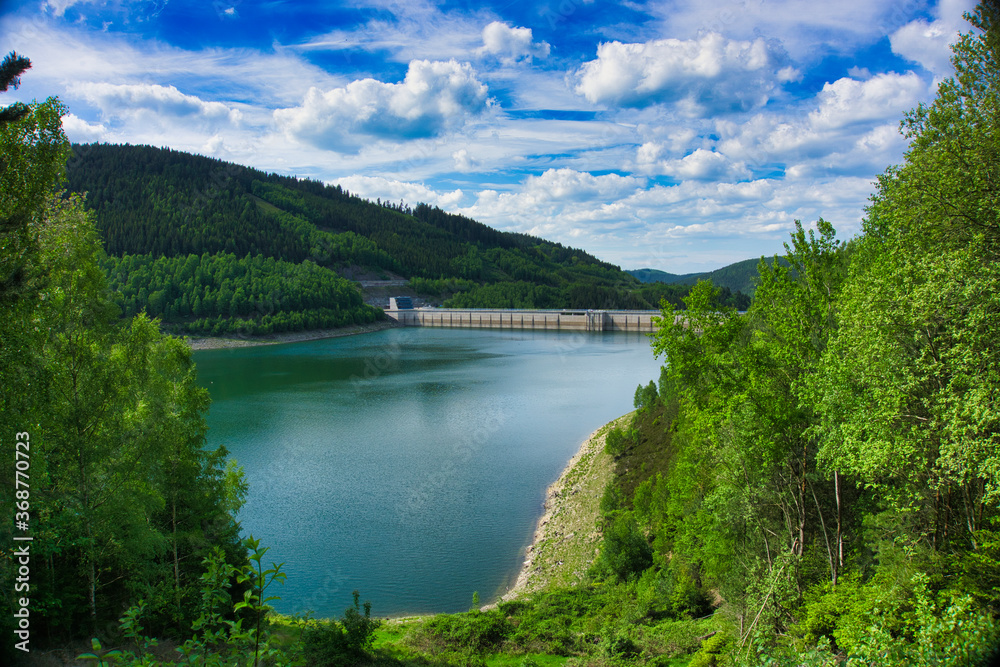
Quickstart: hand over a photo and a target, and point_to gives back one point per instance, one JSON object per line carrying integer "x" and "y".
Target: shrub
{"x": 343, "y": 642}
{"x": 473, "y": 631}
{"x": 618, "y": 441}
{"x": 711, "y": 651}
{"x": 625, "y": 551}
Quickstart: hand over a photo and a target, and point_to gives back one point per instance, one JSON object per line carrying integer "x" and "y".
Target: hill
{"x": 737, "y": 277}
{"x": 212, "y": 247}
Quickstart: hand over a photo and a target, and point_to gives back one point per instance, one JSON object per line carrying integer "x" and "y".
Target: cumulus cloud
{"x": 569, "y": 185}
{"x": 929, "y": 42}
{"x": 809, "y": 30}
{"x": 119, "y": 100}
{"x": 851, "y": 129}
{"x": 704, "y": 165}
{"x": 847, "y": 101}
{"x": 653, "y": 158}
{"x": 433, "y": 98}
{"x": 379, "y": 187}
{"x": 463, "y": 161}
{"x": 708, "y": 75}
{"x": 82, "y": 132}
{"x": 696, "y": 222}
{"x": 510, "y": 45}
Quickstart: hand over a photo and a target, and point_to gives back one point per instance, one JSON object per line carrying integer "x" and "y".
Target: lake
{"x": 412, "y": 463}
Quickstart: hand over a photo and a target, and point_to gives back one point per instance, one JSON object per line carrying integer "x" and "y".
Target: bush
{"x": 618, "y": 441}
{"x": 711, "y": 651}
{"x": 341, "y": 643}
{"x": 686, "y": 599}
{"x": 615, "y": 645}
{"x": 625, "y": 551}
{"x": 473, "y": 631}
{"x": 612, "y": 500}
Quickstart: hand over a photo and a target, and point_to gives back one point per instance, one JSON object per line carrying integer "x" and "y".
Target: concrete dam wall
{"x": 564, "y": 320}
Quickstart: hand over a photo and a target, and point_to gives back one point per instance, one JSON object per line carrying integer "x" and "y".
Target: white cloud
{"x": 847, "y": 101}
{"x": 406, "y": 31}
{"x": 851, "y": 129}
{"x": 807, "y": 29}
{"x": 378, "y": 187}
{"x": 63, "y": 54}
{"x": 59, "y": 7}
{"x": 510, "y": 45}
{"x": 699, "y": 165}
{"x": 433, "y": 98}
{"x": 688, "y": 226}
{"x": 134, "y": 10}
{"x": 120, "y": 100}
{"x": 868, "y": 154}
{"x": 463, "y": 162}
{"x": 929, "y": 43}
{"x": 709, "y": 75}
{"x": 568, "y": 185}
{"x": 703, "y": 165}
{"x": 82, "y": 132}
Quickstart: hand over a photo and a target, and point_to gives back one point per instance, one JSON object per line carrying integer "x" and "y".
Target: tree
{"x": 11, "y": 69}
{"x": 33, "y": 151}
{"x": 908, "y": 393}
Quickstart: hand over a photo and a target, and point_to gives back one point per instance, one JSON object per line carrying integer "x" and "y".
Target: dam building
{"x": 402, "y": 310}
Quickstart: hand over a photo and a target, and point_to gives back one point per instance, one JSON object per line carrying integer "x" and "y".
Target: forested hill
{"x": 737, "y": 277}
{"x": 166, "y": 202}
{"x": 169, "y": 207}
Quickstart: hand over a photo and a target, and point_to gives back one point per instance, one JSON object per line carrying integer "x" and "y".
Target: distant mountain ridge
{"x": 738, "y": 277}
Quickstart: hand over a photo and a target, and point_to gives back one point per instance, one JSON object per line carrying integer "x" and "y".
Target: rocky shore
{"x": 567, "y": 536}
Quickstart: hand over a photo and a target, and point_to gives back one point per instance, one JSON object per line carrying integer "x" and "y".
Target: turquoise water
{"x": 410, "y": 464}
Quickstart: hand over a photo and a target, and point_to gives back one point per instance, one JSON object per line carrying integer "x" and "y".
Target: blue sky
{"x": 678, "y": 135}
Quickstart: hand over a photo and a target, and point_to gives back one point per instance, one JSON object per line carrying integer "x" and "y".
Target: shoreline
{"x": 572, "y": 504}
{"x": 211, "y": 343}
{"x": 564, "y": 544}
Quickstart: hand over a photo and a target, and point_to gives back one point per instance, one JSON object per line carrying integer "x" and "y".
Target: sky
{"x": 679, "y": 135}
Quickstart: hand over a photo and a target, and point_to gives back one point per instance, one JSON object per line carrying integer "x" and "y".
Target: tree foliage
{"x": 222, "y": 293}
{"x": 124, "y": 500}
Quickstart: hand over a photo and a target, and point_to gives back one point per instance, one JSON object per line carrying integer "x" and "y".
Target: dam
{"x": 553, "y": 320}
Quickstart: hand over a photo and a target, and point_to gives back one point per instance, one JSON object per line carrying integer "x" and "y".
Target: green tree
{"x": 33, "y": 151}
{"x": 909, "y": 385}
{"x": 625, "y": 552}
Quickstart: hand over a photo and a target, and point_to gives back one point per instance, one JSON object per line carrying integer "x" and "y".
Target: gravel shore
{"x": 566, "y": 537}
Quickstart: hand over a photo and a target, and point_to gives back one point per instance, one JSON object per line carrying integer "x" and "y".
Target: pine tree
{"x": 11, "y": 69}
